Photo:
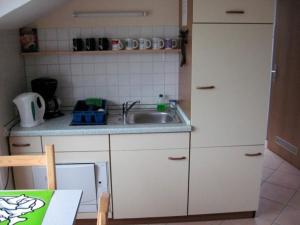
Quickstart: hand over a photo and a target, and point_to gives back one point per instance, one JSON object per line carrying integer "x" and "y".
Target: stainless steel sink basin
{"x": 152, "y": 117}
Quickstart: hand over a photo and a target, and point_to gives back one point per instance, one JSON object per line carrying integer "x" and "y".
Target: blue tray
{"x": 84, "y": 114}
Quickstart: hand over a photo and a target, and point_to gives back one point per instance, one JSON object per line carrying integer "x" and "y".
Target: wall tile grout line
{"x": 78, "y": 76}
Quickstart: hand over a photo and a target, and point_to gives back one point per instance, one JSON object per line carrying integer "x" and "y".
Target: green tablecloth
{"x": 24, "y": 207}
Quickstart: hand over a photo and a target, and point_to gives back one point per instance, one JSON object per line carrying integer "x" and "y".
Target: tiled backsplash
{"x": 116, "y": 77}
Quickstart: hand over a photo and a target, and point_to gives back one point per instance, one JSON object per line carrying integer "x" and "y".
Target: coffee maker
{"x": 46, "y": 87}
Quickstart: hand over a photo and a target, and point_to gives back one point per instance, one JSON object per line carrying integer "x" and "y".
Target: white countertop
{"x": 61, "y": 126}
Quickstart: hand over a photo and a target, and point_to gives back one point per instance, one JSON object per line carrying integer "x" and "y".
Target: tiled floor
{"x": 279, "y": 198}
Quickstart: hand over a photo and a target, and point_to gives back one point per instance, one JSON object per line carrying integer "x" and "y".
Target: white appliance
{"x": 31, "y": 107}
{"x": 91, "y": 178}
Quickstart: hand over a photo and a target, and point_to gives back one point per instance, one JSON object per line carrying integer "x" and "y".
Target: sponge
{"x": 94, "y": 102}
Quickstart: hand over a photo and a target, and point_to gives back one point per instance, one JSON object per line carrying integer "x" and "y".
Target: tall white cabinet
{"x": 231, "y": 59}
{"x": 235, "y": 59}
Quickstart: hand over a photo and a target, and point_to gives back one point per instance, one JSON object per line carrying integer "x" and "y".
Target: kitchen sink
{"x": 147, "y": 117}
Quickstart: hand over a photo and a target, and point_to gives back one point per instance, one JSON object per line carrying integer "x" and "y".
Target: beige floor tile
{"x": 285, "y": 167}
{"x": 266, "y": 173}
{"x": 246, "y": 222}
{"x": 295, "y": 201}
{"x": 276, "y": 193}
{"x": 272, "y": 161}
{"x": 269, "y": 152}
{"x": 285, "y": 179}
{"x": 289, "y": 216}
{"x": 268, "y": 210}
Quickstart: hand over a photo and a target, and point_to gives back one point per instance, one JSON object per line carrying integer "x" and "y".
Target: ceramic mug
{"x": 171, "y": 43}
{"x": 103, "y": 44}
{"x": 158, "y": 43}
{"x": 77, "y": 44}
{"x": 131, "y": 44}
{"x": 117, "y": 44}
{"x": 90, "y": 44}
{"x": 144, "y": 43}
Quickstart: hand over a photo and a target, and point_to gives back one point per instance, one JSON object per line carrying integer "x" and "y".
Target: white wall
{"x": 12, "y": 82}
{"x": 161, "y": 12}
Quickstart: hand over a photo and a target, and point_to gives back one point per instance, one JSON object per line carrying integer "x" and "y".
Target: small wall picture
{"x": 29, "y": 40}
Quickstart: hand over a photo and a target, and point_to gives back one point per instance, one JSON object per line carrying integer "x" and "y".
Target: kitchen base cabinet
{"x": 76, "y": 151}
{"x": 149, "y": 174}
{"x": 82, "y": 162}
{"x": 147, "y": 183}
{"x": 225, "y": 179}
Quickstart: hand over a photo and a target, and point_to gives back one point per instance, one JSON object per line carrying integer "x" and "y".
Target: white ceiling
{"x": 28, "y": 13}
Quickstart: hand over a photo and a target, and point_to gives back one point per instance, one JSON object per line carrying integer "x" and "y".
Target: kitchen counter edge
{"x": 60, "y": 126}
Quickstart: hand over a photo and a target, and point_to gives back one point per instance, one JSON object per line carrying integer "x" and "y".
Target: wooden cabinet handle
{"x": 21, "y": 145}
{"x": 235, "y": 12}
{"x": 177, "y": 158}
{"x": 205, "y": 87}
{"x": 253, "y": 154}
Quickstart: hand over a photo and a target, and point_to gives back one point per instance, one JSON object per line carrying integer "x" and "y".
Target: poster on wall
{"x": 29, "y": 40}
{"x": 24, "y": 207}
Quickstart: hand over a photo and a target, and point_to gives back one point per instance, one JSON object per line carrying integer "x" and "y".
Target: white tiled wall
{"x": 12, "y": 83}
{"x": 116, "y": 77}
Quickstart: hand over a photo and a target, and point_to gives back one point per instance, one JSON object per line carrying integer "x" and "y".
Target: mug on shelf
{"x": 103, "y": 44}
{"x": 144, "y": 43}
{"x": 77, "y": 44}
{"x": 158, "y": 43}
{"x": 90, "y": 44}
{"x": 171, "y": 43}
{"x": 131, "y": 44}
{"x": 117, "y": 44}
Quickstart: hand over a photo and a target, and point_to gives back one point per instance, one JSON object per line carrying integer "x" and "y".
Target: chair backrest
{"x": 103, "y": 207}
{"x": 46, "y": 159}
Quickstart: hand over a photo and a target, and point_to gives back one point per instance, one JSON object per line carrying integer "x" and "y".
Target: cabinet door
{"x": 235, "y": 60}
{"x": 225, "y": 179}
{"x": 233, "y": 11}
{"x": 23, "y": 176}
{"x": 147, "y": 183}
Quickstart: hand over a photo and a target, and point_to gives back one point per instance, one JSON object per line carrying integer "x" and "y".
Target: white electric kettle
{"x": 31, "y": 107}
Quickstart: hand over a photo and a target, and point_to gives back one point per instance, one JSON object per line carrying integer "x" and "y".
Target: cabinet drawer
{"x": 233, "y": 11}
{"x": 81, "y": 157}
{"x": 78, "y": 143}
{"x": 149, "y": 141}
{"x": 20, "y": 145}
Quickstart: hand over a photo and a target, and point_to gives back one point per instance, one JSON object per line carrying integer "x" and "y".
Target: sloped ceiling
{"x": 28, "y": 13}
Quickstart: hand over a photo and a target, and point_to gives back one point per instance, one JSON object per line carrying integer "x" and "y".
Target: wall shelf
{"x": 44, "y": 53}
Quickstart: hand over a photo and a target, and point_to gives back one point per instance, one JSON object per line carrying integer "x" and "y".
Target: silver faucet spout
{"x": 131, "y": 105}
{"x": 126, "y": 108}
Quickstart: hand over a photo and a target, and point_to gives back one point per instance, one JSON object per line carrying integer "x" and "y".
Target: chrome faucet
{"x": 126, "y": 108}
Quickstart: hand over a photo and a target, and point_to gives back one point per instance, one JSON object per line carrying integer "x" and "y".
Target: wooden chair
{"x": 46, "y": 159}
{"x": 103, "y": 209}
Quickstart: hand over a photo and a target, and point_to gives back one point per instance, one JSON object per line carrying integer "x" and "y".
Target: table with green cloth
{"x": 39, "y": 207}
